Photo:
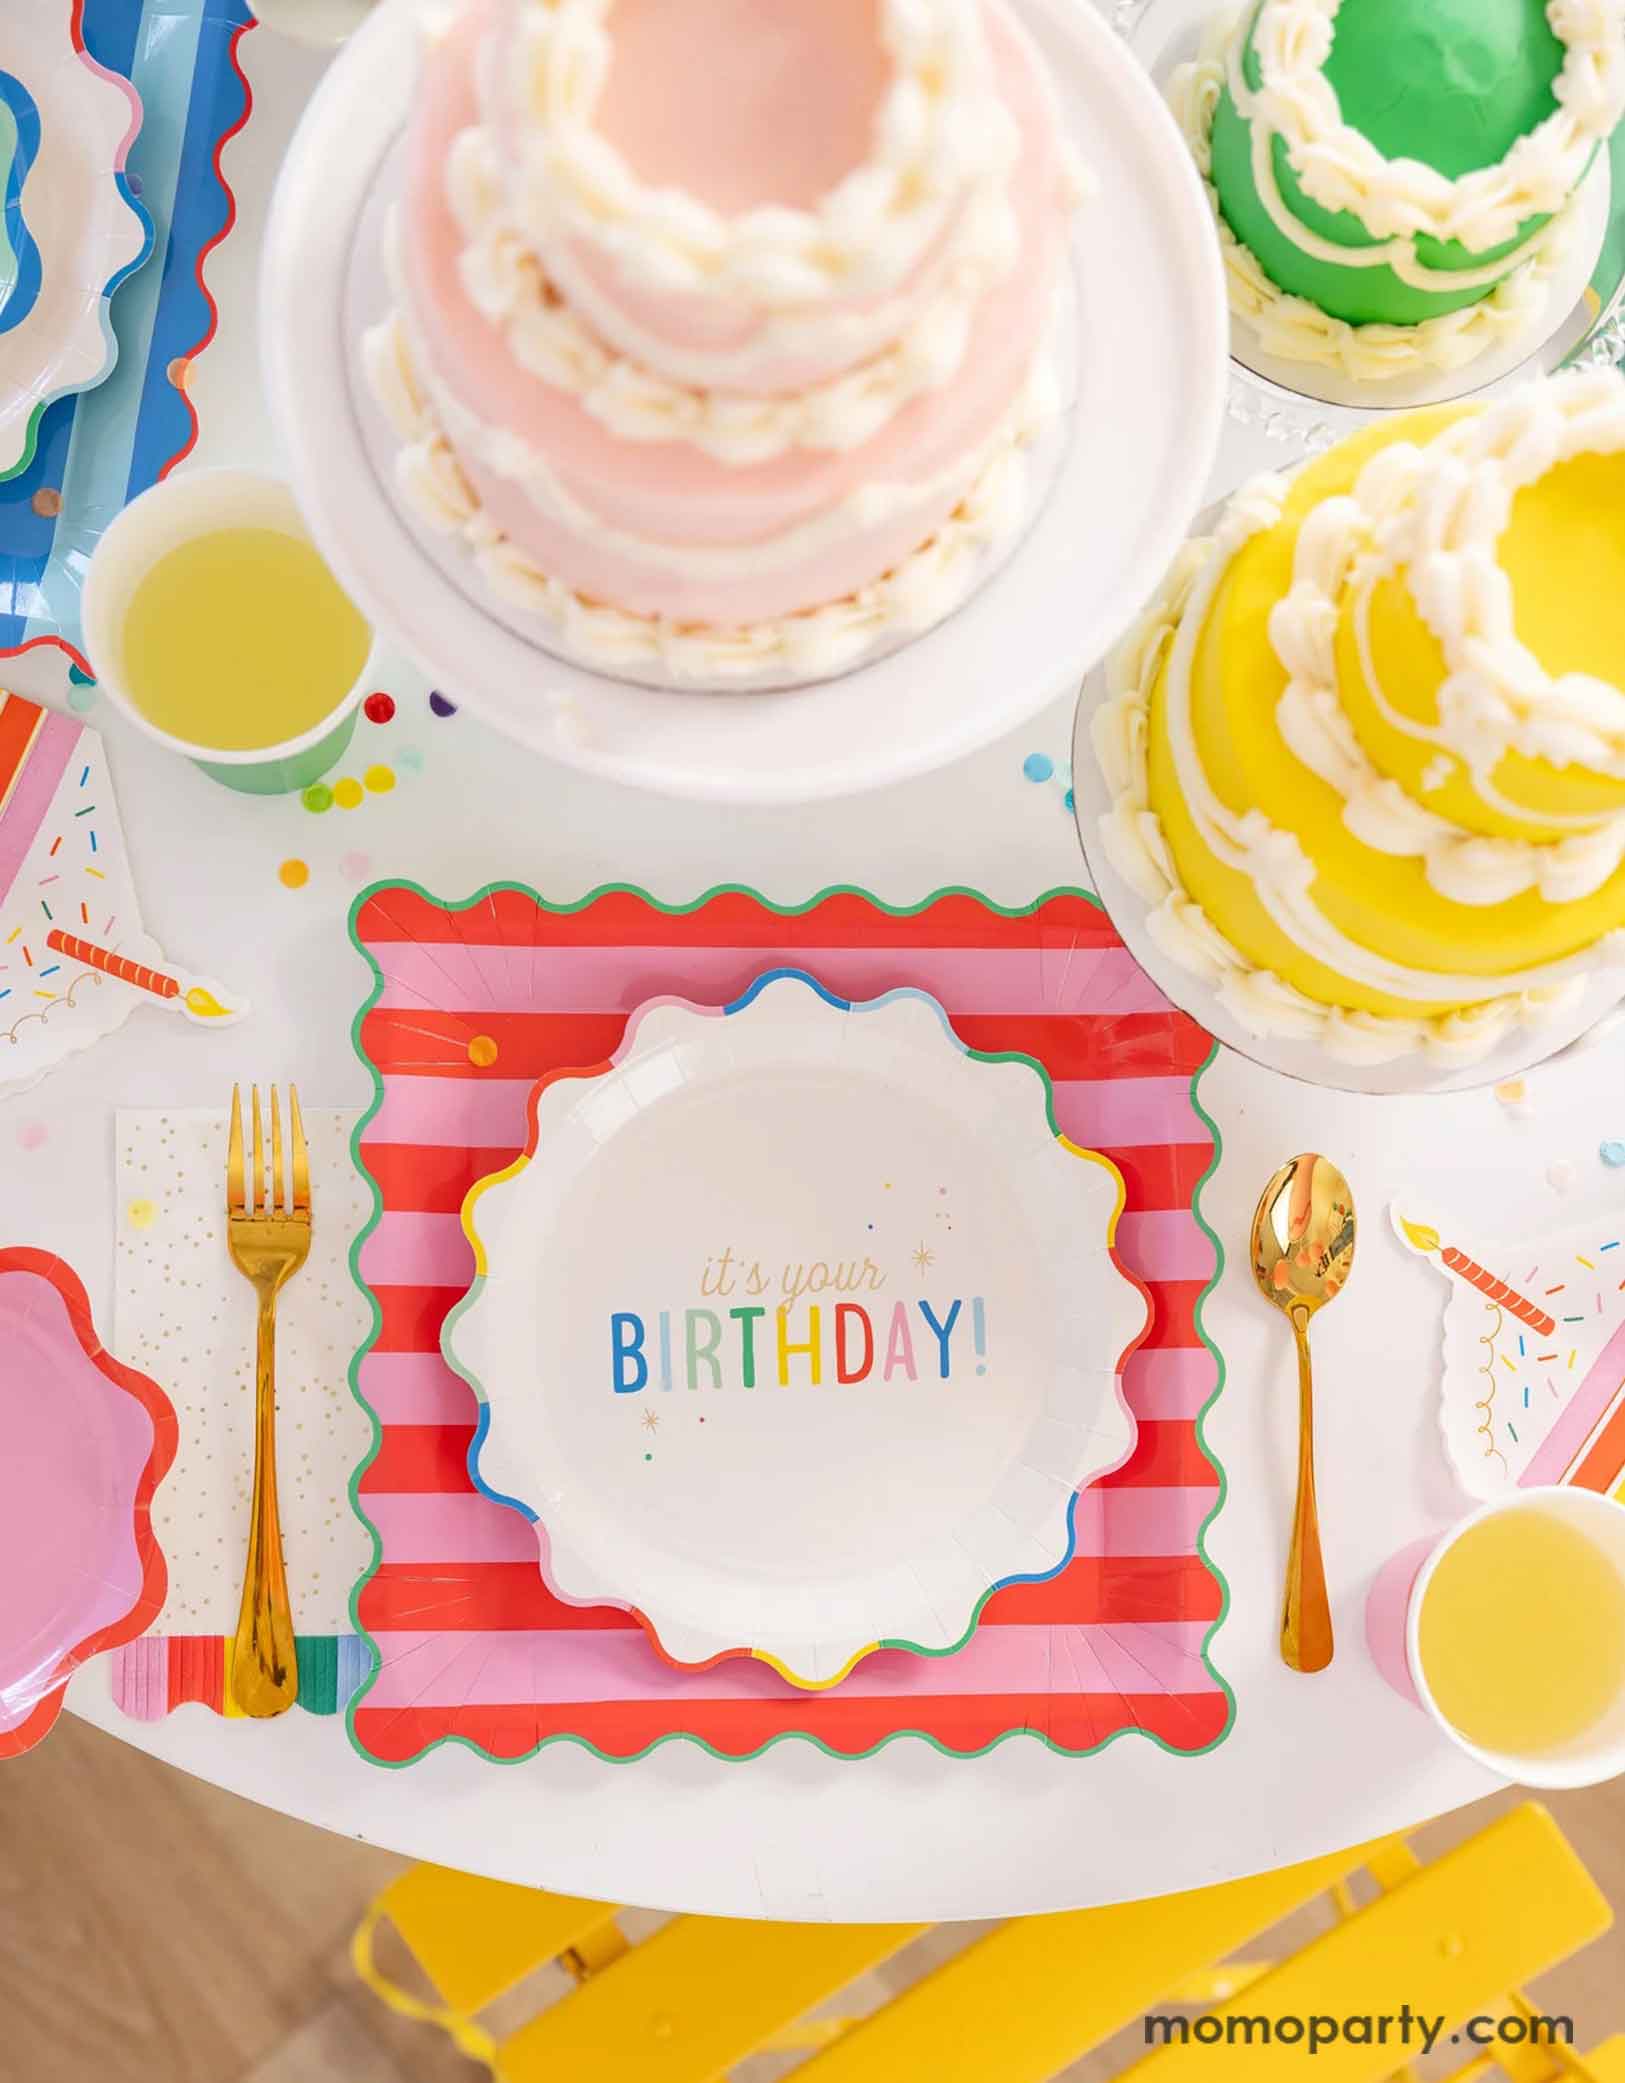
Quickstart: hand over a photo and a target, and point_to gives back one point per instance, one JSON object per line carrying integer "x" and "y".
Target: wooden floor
{"x": 244, "y": 1977}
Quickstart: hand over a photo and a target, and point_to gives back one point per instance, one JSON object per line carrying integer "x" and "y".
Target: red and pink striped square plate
{"x": 472, "y": 1003}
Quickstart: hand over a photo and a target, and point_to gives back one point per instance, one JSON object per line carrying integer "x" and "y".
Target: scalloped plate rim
{"x": 1113, "y": 1432}
{"x": 125, "y": 237}
{"x": 58, "y": 1275}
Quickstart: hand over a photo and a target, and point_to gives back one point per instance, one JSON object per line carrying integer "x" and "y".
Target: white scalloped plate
{"x": 86, "y": 230}
{"x": 857, "y": 1158}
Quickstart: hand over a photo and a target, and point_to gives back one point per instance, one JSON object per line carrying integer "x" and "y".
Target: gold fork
{"x": 268, "y": 1228}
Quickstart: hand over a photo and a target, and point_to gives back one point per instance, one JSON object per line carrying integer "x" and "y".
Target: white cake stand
{"x": 1305, "y": 1061}
{"x": 1305, "y": 406}
{"x": 1150, "y": 381}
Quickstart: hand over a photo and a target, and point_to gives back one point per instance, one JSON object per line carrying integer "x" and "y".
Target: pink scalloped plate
{"x": 84, "y": 1442}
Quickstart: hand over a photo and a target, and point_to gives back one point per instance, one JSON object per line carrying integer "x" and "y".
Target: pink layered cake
{"x": 721, "y": 328}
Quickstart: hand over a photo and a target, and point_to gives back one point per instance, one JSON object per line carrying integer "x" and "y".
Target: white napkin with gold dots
{"x": 186, "y": 1316}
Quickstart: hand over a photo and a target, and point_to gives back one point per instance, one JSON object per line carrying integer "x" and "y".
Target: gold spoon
{"x": 1303, "y": 1250}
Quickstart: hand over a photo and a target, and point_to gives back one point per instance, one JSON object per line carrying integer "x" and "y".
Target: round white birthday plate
{"x": 797, "y": 1328}
{"x": 70, "y": 226}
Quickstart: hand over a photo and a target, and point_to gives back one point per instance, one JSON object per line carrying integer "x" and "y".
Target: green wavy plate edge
{"x": 732, "y": 889}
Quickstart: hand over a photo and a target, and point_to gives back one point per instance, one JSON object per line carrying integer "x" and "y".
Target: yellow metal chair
{"x": 687, "y": 2005}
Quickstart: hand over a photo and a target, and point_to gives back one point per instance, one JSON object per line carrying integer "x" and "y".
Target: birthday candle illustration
{"x": 198, "y": 1000}
{"x": 1421, "y": 1238}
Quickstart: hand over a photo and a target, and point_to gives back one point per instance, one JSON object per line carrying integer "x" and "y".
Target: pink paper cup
{"x": 1393, "y": 1622}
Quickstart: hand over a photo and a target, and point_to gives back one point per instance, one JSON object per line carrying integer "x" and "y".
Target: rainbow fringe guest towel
{"x": 154, "y": 1676}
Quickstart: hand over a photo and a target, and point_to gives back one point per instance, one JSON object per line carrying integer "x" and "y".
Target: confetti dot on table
{"x": 440, "y": 706}
{"x": 1038, "y": 766}
{"x": 141, "y": 1215}
{"x": 380, "y": 780}
{"x": 483, "y": 1052}
{"x": 409, "y": 759}
{"x": 648, "y": 1457}
{"x": 47, "y": 502}
{"x": 1070, "y": 800}
{"x": 378, "y": 708}
{"x": 179, "y": 369}
{"x": 1512, "y": 1092}
{"x": 31, "y": 1135}
{"x": 347, "y": 793}
{"x": 318, "y": 797}
{"x": 82, "y": 696}
{"x": 1612, "y": 1154}
{"x": 293, "y": 875}
{"x": 1560, "y": 1175}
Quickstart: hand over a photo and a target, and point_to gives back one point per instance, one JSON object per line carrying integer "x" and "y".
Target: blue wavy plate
{"x": 94, "y": 451}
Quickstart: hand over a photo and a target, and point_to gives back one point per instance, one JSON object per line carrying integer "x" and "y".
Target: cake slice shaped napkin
{"x": 70, "y": 914}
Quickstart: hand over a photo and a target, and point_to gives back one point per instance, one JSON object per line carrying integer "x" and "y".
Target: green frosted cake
{"x": 1393, "y": 178}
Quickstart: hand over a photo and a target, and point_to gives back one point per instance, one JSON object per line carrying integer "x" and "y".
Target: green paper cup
{"x": 177, "y": 511}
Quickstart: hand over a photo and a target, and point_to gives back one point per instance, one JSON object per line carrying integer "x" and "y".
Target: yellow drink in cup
{"x": 1521, "y": 1634}
{"x": 211, "y": 620}
{"x": 1510, "y": 1631}
{"x": 240, "y": 640}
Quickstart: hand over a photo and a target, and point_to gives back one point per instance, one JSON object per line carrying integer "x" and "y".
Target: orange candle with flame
{"x": 194, "y": 998}
{"x": 1421, "y": 1238}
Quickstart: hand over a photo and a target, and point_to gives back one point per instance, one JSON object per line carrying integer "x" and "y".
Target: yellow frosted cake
{"x": 1367, "y": 748}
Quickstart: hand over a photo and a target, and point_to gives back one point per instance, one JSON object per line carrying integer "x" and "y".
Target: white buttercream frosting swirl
{"x": 931, "y": 139}
{"x": 505, "y": 454}
{"x": 508, "y": 285}
{"x": 1291, "y": 328}
{"x": 1437, "y": 514}
{"x": 920, "y": 592}
{"x": 1482, "y": 1011}
{"x": 1498, "y": 696}
{"x": 1342, "y": 170}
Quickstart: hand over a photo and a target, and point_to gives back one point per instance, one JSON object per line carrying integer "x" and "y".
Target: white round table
{"x": 1312, "y": 1764}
